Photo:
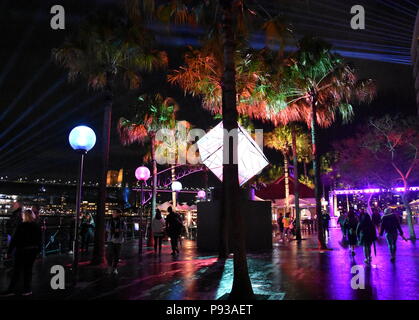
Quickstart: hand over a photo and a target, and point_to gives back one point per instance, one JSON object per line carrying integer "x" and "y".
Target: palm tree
{"x": 153, "y": 113}
{"x": 110, "y": 47}
{"x": 314, "y": 86}
{"x": 224, "y": 85}
{"x": 289, "y": 140}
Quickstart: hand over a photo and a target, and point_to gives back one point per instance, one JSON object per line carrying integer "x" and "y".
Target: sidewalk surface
{"x": 289, "y": 271}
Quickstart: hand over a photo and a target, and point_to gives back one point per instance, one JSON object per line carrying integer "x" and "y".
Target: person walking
{"x": 341, "y": 222}
{"x": 391, "y": 226}
{"x": 366, "y": 234}
{"x": 287, "y": 226}
{"x": 14, "y": 220}
{"x": 158, "y": 226}
{"x": 325, "y": 223}
{"x": 87, "y": 227}
{"x": 174, "y": 227}
{"x": 116, "y": 228}
{"x": 376, "y": 219}
{"x": 281, "y": 226}
{"x": 26, "y": 245}
{"x": 351, "y": 223}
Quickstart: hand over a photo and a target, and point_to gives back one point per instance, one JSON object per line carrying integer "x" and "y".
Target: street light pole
{"x": 78, "y": 204}
{"x": 142, "y": 174}
{"x": 140, "y": 240}
{"x": 81, "y": 139}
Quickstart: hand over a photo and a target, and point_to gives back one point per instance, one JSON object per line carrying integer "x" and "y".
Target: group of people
{"x": 362, "y": 228}
{"x": 287, "y": 225}
{"x": 172, "y": 226}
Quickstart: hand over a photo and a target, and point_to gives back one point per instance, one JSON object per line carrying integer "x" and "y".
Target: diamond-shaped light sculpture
{"x": 251, "y": 159}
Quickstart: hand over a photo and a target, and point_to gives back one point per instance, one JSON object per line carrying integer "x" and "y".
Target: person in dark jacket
{"x": 376, "y": 219}
{"x": 341, "y": 222}
{"x": 26, "y": 244}
{"x": 116, "y": 229}
{"x": 87, "y": 227}
{"x": 366, "y": 234}
{"x": 174, "y": 227}
{"x": 351, "y": 224}
{"x": 325, "y": 223}
{"x": 14, "y": 220}
{"x": 391, "y": 226}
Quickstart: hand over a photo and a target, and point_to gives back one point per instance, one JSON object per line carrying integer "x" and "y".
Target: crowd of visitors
{"x": 361, "y": 227}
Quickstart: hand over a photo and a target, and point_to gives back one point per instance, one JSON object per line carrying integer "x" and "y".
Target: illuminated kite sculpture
{"x": 251, "y": 159}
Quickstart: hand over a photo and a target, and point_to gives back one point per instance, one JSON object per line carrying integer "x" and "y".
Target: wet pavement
{"x": 289, "y": 271}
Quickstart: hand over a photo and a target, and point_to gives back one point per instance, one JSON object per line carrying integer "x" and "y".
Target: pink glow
{"x": 201, "y": 194}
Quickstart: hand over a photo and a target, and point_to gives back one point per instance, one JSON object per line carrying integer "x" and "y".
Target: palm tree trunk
{"x": 405, "y": 199}
{"x": 305, "y": 168}
{"x": 316, "y": 169}
{"x": 99, "y": 240}
{"x": 242, "y": 287}
{"x": 154, "y": 186}
{"x": 296, "y": 189}
{"x": 287, "y": 182}
{"x": 172, "y": 169}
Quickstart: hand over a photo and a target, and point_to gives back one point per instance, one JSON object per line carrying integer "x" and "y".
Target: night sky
{"x": 38, "y": 107}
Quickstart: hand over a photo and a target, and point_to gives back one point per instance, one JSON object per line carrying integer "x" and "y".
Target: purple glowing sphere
{"x": 142, "y": 173}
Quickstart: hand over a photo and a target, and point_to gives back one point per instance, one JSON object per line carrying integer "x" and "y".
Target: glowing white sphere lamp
{"x": 82, "y": 139}
{"x": 176, "y": 186}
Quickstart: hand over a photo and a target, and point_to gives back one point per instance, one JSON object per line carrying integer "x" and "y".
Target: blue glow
{"x": 82, "y": 138}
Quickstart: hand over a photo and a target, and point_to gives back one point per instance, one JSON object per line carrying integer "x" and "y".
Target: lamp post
{"x": 176, "y": 187}
{"x": 142, "y": 174}
{"x": 81, "y": 139}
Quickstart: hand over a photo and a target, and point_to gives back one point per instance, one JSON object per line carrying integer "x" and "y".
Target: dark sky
{"x": 38, "y": 107}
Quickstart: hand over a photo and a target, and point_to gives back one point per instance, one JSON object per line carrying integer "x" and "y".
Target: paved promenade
{"x": 289, "y": 271}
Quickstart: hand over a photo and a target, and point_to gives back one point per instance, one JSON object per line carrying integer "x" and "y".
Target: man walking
{"x": 391, "y": 226}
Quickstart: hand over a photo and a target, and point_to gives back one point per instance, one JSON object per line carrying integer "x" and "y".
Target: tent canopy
{"x": 276, "y": 190}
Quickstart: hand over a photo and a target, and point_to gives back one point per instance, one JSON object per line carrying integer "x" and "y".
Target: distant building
{"x": 6, "y": 202}
{"x": 114, "y": 178}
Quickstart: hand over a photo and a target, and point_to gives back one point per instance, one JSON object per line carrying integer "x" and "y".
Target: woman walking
{"x": 366, "y": 234}
{"x": 26, "y": 244}
{"x": 158, "y": 226}
{"x": 351, "y": 223}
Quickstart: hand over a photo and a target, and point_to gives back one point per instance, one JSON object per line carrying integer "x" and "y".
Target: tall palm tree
{"x": 215, "y": 75}
{"x": 109, "y": 48}
{"x": 313, "y": 87}
{"x": 280, "y": 139}
{"x": 152, "y": 113}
